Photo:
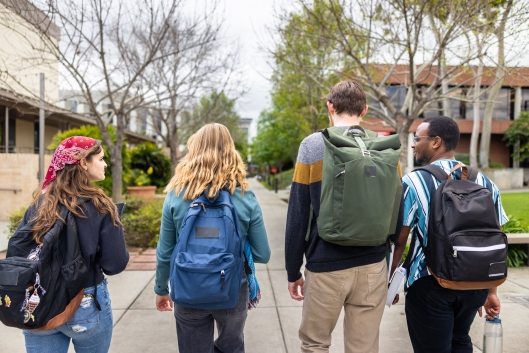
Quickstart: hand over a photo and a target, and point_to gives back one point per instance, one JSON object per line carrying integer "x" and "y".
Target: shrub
{"x": 516, "y": 253}
{"x": 154, "y": 167}
{"x": 14, "y": 220}
{"x": 142, "y": 226}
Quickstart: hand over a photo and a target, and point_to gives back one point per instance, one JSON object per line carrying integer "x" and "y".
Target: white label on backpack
{"x": 478, "y": 248}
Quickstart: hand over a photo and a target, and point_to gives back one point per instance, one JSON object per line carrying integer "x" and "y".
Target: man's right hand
{"x": 296, "y": 289}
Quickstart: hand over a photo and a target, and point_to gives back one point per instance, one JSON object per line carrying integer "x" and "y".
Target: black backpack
{"x": 42, "y": 287}
{"x": 465, "y": 248}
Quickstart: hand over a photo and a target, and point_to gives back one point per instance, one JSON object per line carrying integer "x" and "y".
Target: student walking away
{"x": 344, "y": 202}
{"x": 442, "y": 297}
{"x": 211, "y": 234}
{"x": 93, "y": 229}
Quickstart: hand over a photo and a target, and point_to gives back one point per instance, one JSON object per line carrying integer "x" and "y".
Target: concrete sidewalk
{"x": 272, "y": 327}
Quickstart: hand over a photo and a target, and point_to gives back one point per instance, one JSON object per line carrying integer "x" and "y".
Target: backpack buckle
{"x": 366, "y": 153}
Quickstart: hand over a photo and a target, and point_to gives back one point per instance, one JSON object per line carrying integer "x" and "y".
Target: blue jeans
{"x": 195, "y": 327}
{"x": 89, "y": 329}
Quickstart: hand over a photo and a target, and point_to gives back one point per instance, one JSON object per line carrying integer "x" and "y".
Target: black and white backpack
{"x": 465, "y": 247}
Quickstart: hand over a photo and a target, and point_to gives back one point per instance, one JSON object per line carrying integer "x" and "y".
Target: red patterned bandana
{"x": 68, "y": 152}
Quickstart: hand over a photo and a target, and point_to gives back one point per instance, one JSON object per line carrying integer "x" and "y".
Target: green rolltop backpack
{"x": 361, "y": 187}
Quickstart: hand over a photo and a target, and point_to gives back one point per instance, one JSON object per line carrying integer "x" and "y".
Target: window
{"x": 143, "y": 120}
{"x": 457, "y": 105}
{"x": 396, "y": 95}
{"x": 502, "y": 105}
{"x": 36, "y": 137}
{"x": 433, "y": 109}
{"x": 73, "y": 106}
{"x": 525, "y": 99}
{"x": 465, "y": 110}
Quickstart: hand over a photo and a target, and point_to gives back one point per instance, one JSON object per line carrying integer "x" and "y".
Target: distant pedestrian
{"x": 350, "y": 277}
{"x": 438, "y": 318}
{"x": 77, "y": 162}
{"x": 212, "y": 164}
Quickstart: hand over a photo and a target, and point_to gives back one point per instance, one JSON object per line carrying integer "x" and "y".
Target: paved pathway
{"x": 272, "y": 327}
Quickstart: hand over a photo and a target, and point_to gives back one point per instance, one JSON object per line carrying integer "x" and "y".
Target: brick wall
{"x": 18, "y": 171}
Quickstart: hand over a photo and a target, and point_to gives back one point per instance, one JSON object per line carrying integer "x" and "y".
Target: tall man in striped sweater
{"x": 336, "y": 277}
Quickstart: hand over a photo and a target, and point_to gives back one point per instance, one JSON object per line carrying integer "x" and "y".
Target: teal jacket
{"x": 174, "y": 209}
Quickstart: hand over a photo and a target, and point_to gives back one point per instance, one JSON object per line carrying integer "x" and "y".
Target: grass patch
{"x": 517, "y": 206}
{"x": 284, "y": 179}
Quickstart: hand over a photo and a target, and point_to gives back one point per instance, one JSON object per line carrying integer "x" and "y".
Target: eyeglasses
{"x": 416, "y": 139}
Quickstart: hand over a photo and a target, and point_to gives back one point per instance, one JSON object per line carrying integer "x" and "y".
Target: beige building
{"x": 21, "y": 47}
{"x": 23, "y": 54}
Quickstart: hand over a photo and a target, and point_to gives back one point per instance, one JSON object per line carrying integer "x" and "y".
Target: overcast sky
{"x": 247, "y": 20}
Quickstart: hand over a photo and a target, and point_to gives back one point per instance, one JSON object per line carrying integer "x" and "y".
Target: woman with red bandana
{"x": 77, "y": 162}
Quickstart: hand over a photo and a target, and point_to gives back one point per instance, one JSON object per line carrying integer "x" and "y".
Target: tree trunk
{"x": 493, "y": 93}
{"x": 402, "y": 130}
{"x": 475, "y": 127}
{"x": 173, "y": 149}
{"x": 444, "y": 88}
{"x": 117, "y": 172}
{"x": 117, "y": 159}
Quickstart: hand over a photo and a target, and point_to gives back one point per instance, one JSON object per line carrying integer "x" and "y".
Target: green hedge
{"x": 141, "y": 222}
{"x": 516, "y": 253}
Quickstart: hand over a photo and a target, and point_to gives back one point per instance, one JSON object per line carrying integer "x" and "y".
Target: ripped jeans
{"x": 89, "y": 329}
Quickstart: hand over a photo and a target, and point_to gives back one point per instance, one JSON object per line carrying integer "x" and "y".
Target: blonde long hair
{"x": 211, "y": 162}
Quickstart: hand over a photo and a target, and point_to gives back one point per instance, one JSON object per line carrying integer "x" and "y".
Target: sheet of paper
{"x": 396, "y": 280}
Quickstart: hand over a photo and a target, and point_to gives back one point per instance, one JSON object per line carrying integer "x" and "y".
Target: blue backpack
{"x": 208, "y": 260}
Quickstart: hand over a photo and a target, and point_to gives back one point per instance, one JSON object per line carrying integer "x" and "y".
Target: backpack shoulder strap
{"x": 437, "y": 172}
{"x": 472, "y": 174}
{"x": 467, "y": 173}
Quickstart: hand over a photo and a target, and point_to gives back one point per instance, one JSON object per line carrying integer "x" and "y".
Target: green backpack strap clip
{"x": 358, "y": 139}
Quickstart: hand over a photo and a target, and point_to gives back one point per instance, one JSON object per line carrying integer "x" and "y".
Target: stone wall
{"x": 18, "y": 172}
{"x": 507, "y": 178}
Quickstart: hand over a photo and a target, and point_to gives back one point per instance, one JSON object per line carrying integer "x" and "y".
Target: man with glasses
{"x": 438, "y": 318}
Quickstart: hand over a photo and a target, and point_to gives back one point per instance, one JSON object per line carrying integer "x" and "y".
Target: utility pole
{"x": 41, "y": 130}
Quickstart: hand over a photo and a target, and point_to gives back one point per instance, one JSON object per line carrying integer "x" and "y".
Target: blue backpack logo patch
{"x": 207, "y": 262}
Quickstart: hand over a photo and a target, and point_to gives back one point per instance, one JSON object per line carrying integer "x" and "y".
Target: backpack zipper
{"x": 223, "y": 279}
{"x": 476, "y": 248}
{"x": 204, "y": 206}
{"x": 341, "y": 173}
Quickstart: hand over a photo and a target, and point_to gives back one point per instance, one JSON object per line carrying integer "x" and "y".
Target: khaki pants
{"x": 361, "y": 291}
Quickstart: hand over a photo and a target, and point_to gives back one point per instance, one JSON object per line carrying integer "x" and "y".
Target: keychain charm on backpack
{"x": 30, "y": 304}
{"x": 34, "y": 255}
{"x": 7, "y": 300}
{"x": 33, "y": 302}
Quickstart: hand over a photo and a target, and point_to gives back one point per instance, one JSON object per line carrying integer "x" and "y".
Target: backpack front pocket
{"x": 203, "y": 278}
{"x": 478, "y": 256}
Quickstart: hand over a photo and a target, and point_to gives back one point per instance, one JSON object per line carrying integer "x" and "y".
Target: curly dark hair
{"x": 446, "y": 128}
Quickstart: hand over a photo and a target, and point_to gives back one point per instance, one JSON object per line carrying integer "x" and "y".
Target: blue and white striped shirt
{"x": 418, "y": 188}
